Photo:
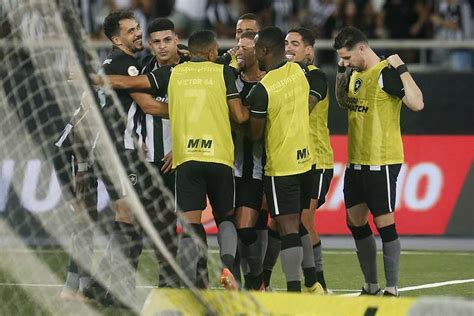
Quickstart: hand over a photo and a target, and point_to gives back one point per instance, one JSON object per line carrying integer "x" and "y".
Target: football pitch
{"x": 423, "y": 273}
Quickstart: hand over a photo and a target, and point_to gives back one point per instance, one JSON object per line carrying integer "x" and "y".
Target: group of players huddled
{"x": 247, "y": 131}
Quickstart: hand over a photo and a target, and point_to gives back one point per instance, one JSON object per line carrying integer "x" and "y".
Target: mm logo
{"x": 199, "y": 144}
{"x": 302, "y": 153}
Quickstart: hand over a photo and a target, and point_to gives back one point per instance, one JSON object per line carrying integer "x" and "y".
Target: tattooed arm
{"x": 342, "y": 85}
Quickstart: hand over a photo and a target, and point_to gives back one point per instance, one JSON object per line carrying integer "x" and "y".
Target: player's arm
{"x": 238, "y": 112}
{"x": 149, "y": 105}
{"x": 257, "y": 100}
{"x": 342, "y": 84}
{"x": 413, "y": 97}
{"x": 81, "y": 152}
{"x": 127, "y": 82}
{"x": 318, "y": 87}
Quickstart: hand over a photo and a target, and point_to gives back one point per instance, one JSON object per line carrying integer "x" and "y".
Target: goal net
{"x": 63, "y": 180}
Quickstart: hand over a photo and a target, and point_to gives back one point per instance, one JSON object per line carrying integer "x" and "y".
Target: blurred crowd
{"x": 447, "y": 20}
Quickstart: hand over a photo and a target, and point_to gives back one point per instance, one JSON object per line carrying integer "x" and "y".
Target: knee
{"x": 388, "y": 233}
{"x": 247, "y": 235}
{"x": 360, "y": 232}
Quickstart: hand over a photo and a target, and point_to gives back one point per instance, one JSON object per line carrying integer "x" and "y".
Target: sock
{"x": 167, "y": 276}
{"x": 291, "y": 260}
{"x": 238, "y": 264}
{"x": 318, "y": 264}
{"x": 227, "y": 238}
{"x": 309, "y": 271}
{"x": 391, "y": 255}
{"x": 84, "y": 283}
{"x": 189, "y": 254}
{"x": 72, "y": 280}
{"x": 366, "y": 253}
{"x": 250, "y": 250}
{"x": 262, "y": 240}
{"x": 126, "y": 246}
{"x": 271, "y": 255}
{"x": 202, "y": 273}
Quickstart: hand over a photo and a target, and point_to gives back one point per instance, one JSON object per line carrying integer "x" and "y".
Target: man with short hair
{"x": 372, "y": 90}
{"x": 248, "y": 170}
{"x": 126, "y": 240}
{"x": 163, "y": 43}
{"x": 247, "y": 22}
{"x": 279, "y": 113}
{"x": 299, "y": 44}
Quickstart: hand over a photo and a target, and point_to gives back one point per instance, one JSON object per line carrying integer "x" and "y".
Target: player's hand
{"x": 395, "y": 61}
{"x": 81, "y": 182}
{"x": 145, "y": 147}
{"x": 96, "y": 79}
{"x": 167, "y": 162}
{"x": 184, "y": 52}
{"x": 232, "y": 51}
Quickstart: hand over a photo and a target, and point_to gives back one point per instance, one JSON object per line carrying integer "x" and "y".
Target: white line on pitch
{"x": 425, "y": 286}
{"x": 345, "y": 252}
{"x": 215, "y": 251}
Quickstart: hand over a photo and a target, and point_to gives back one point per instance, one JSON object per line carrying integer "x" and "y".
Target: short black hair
{"x": 160, "y": 24}
{"x": 201, "y": 41}
{"x": 112, "y": 22}
{"x": 348, "y": 37}
{"x": 306, "y": 35}
{"x": 248, "y": 34}
{"x": 249, "y": 16}
{"x": 273, "y": 39}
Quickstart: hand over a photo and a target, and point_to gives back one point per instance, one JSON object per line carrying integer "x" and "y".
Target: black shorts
{"x": 321, "y": 180}
{"x": 288, "y": 194}
{"x": 168, "y": 178}
{"x": 138, "y": 175}
{"x": 373, "y": 185}
{"x": 195, "y": 179}
{"x": 248, "y": 193}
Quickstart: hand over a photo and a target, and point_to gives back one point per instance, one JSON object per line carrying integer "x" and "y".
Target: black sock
{"x": 293, "y": 286}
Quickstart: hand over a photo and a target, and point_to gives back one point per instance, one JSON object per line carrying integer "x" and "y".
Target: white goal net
{"x": 57, "y": 232}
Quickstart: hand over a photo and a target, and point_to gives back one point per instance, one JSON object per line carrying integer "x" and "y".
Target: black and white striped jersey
{"x": 248, "y": 155}
{"x": 157, "y": 132}
{"x": 120, "y": 63}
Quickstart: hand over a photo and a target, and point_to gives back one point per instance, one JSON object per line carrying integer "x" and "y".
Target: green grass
{"x": 341, "y": 271}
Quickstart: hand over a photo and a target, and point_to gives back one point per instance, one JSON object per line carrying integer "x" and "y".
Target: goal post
{"x": 44, "y": 114}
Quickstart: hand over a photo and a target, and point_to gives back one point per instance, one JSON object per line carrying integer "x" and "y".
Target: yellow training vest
{"x": 374, "y": 120}
{"x": 319, "y": 133}
{"x": 287, "y": 127}
{"x": 199, "y": 114}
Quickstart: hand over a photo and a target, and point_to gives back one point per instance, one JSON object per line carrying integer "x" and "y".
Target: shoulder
{"x": 121, "y": 63}
{"x": 318, "y": 73}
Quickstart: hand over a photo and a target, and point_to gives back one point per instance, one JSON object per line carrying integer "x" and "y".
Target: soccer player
{"x": 373, "y": 89}
{"x": 247, "y": 22}
{"x": 202, "y": 95}
{"x": 279, "y": 113}
{"x": 248, "y": 169}
{"x": 85, "y": 204}
{"x": 299, "y": 44}
{"x": 126, "y": 36}
{"x": 163, "y": 43}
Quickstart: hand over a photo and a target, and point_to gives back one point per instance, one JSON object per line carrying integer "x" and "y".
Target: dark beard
{"x": 261, "y": 66}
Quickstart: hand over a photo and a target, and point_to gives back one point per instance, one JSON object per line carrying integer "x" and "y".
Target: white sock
{"x": 371, "y": 287}
{"x": 392, "y": 289}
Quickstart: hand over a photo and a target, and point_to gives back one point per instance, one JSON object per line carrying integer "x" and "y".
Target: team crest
{"x": 132, "y": 71}
{"x": 357, "y": 85}
{"x": 133, "y": 178}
